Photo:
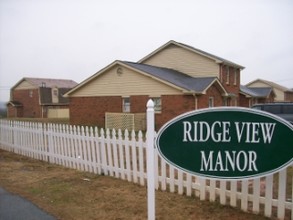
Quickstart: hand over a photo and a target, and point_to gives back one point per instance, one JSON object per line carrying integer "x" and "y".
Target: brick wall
{"x": 13, "y": 112}
{"x": 91, "y": 110}
{"x": 30, "y": 101}
{"x": 288, "y": 96}
{"x": 172, "y": 106}
{"x": 138, "y": 103}
{"x": 244, "y": 101}
{"x": 232, "y": 85}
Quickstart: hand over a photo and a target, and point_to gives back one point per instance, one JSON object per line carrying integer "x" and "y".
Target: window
{"x": 158, "y": 104}
{"x": 126, "y": 104}
{"x": 227, "y": 75}
{"x": 235, "y": 76}
{"x": 31, "y": 92}
{"x": 225, "y": 102}
{"x": 211, "y": 102}
{"x": 55, "y": 95}
{"x": 55, "y": 92}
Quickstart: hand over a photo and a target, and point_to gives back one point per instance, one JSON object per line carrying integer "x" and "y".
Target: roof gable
{"x": 269, "y": 84}
{"x": 44, "y": 82}
{"x": 216, "y": 59}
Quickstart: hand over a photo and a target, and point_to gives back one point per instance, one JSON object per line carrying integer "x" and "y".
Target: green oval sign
{"x": 227, "y": 143}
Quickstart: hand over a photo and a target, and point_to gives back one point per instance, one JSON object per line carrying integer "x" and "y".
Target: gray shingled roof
{"x": 174, "y": 77}
{"x": 256, "y": 92}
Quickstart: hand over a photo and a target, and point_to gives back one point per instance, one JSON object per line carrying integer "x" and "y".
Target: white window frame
{"x": 211, "y": 103}
{"x": 235, "y": 76}
{"x": 227, "y": 75}
{"x": 157, "y": 104}
{"x": 126, "y": 104}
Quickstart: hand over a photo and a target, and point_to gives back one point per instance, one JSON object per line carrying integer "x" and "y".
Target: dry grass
{"x": 70, "y": 194}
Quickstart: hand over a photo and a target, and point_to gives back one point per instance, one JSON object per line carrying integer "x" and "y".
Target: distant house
{"x": 252, "y": 95}
{"x": 282, "y": 94}
{"x": 178, "y": 77}
{"x": 39, "y": 98}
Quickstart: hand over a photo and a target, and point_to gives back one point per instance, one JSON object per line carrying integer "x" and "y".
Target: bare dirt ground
{"x": 70, "y": 194}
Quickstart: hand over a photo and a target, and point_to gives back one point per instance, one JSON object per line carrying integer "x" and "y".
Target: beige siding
{"x": 280, "y": 96}
{"x": 58, "y": 113}
{"x": 24, "y": 85}
{"x": 259, "y": 85}
{"x": 127, "y": 83}
{"x": 185, "y": 61}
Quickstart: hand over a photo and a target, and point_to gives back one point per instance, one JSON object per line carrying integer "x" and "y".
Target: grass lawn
{"x": 70, "y": 194}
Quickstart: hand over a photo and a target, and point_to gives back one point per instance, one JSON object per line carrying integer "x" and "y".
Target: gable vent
{"x": 119, "y": 71}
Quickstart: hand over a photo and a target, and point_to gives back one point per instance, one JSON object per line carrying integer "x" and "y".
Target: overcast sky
{"x": 73, "y": 39}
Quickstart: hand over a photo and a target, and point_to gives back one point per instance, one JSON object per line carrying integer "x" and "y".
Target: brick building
{"x": 39, "y": 98}
{"x": 252, "y": 95}
{"x": 282, "y": 94}
{"x": 178, "y": 77}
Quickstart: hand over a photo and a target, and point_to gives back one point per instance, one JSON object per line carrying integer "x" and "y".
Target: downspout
{"x": 195, "y": 101}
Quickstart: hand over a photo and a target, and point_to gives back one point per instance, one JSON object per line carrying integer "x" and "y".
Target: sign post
{"x": 150, "y": 138}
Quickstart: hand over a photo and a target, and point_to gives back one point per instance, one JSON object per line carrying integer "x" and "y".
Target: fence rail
{"x": 123, "y": 155}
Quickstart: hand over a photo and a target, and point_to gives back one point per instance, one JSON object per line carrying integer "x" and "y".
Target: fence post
{"x": 50, "y": 143}
{"x": 150, "y": 159}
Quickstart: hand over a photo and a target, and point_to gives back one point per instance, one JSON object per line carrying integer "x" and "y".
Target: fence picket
{"x": 212, "y": 190}
{"x": 104, "y": 155}
{"x": 188, "y": 184}
{"x": 133, "y": 156}
{"x": 223, "y": 192}
{"x": 97, "y": 151}
{"x": 141, "y": 159}
{"x": 292, "y": 200}
{"x": 163, "y": 175}
{"x": 202, "y": 182}
{"x": 127, "y": 155}
{"x": 109, "y": 152}
{"x": 171, "y": 178}
{"x": 244, "y": 197}
{"x": 269, "y": 195}
{"x": 121, "y": 155}
{"x": 156, "y": 167}
{"x": 117, "y": 154}
{"x": 282, "y": 194}
{"x": 256, "y": 195}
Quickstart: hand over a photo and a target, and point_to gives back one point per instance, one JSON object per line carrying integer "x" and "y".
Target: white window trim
{"x": 227, "y": 75}
{"x": 126, "y": 106}
{"x": 235, "y": 76}
{"x": 211, "y": 103}
{"x": 158, "y": 109}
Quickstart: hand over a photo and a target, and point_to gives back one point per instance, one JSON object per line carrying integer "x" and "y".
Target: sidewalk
{"x": 14, "y": 207}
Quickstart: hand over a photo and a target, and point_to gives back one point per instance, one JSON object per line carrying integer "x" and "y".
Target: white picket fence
{"x": 123, "y": 155}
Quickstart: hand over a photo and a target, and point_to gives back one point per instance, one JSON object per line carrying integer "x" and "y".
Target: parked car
{"x": 283, "y": 110}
